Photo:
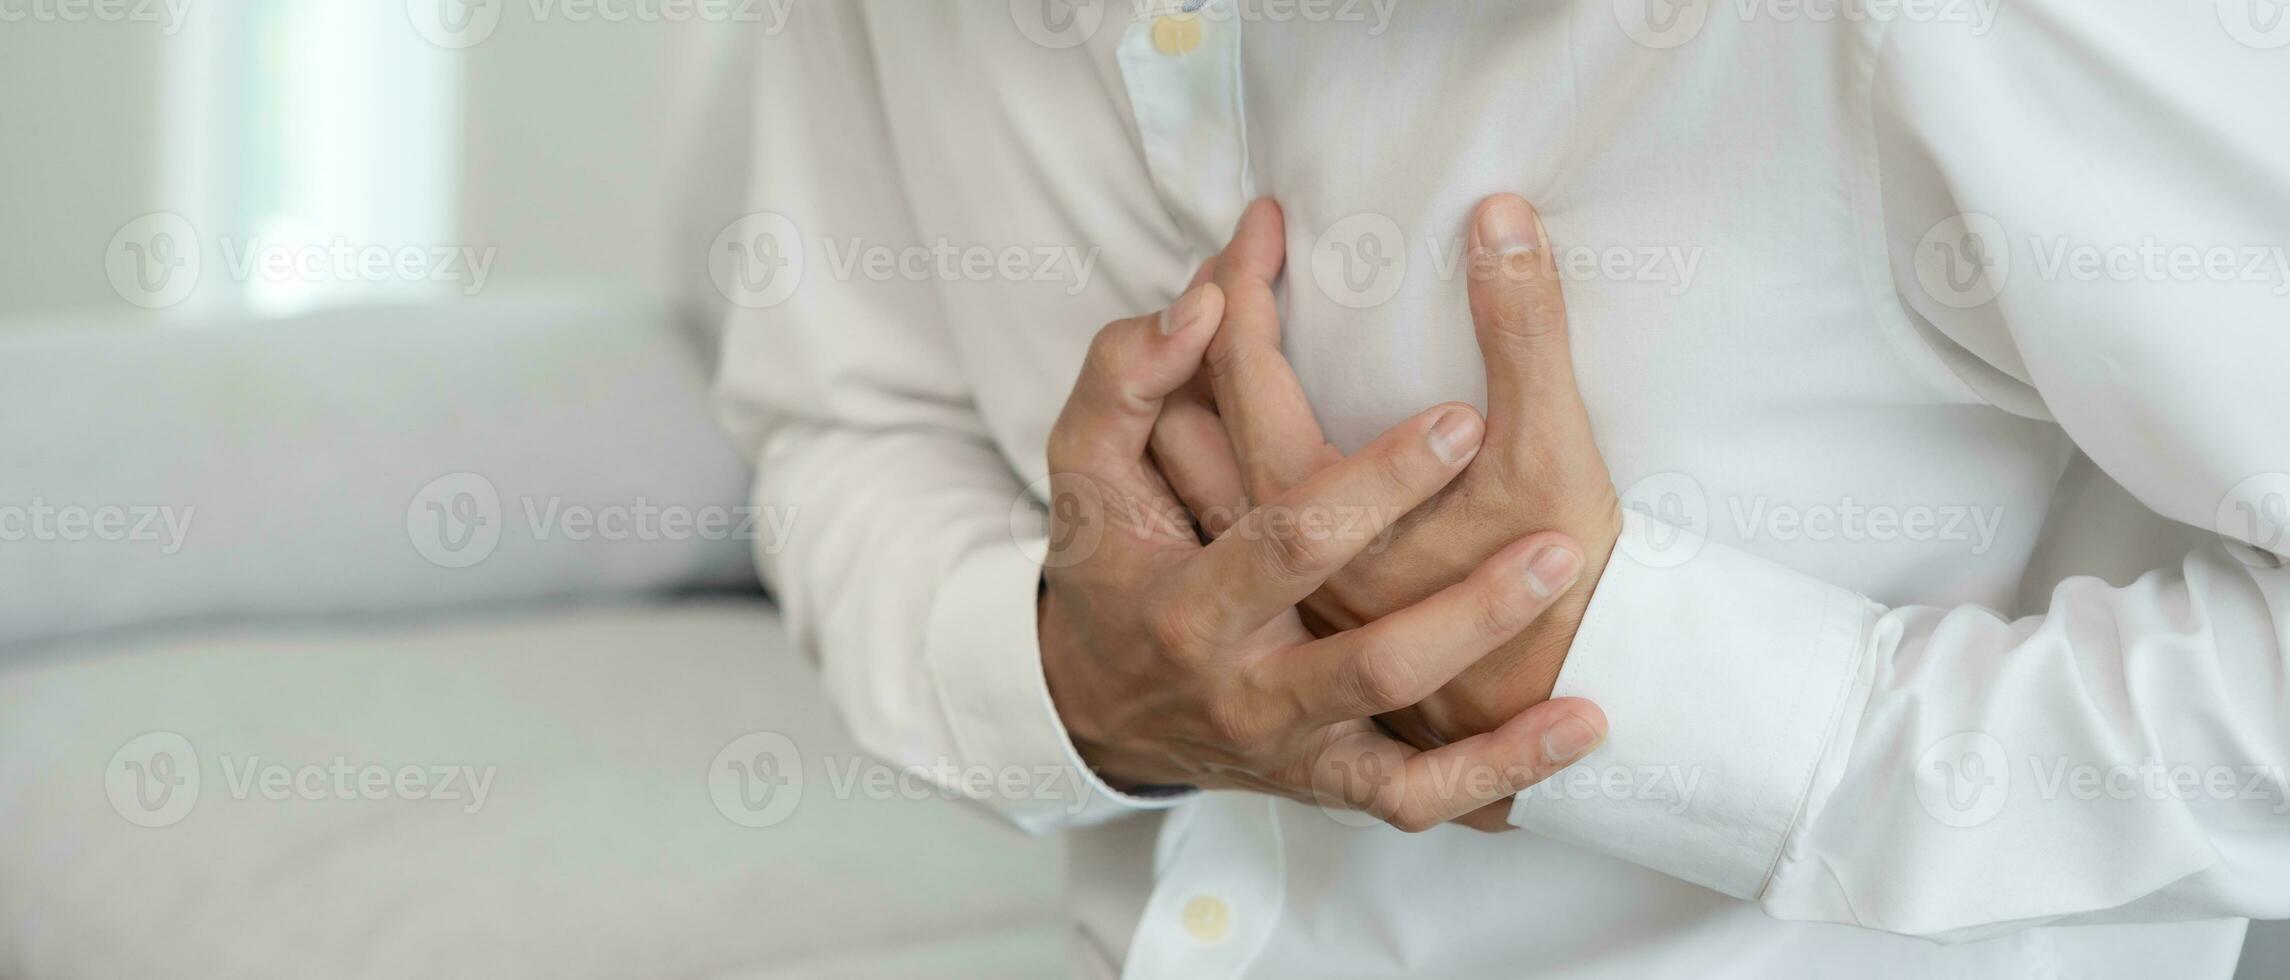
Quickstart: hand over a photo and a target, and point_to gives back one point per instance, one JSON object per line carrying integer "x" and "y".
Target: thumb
{"x": 1519, "y": 312}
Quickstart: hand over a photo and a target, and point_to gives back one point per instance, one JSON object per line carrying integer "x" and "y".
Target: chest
{"x": 1710, "y": 203}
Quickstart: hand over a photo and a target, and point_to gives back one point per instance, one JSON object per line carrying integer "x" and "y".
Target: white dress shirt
{"x": 1854, "y": 288}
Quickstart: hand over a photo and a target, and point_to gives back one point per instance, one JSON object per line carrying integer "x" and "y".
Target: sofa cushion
{"x": 171, "y": 807}
{"x": 360, "y": 461}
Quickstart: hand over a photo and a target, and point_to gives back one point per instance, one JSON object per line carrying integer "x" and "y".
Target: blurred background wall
{"x": 559, "y": 143}
{"x": 82, "y": 107}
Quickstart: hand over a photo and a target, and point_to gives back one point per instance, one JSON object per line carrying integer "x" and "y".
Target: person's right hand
{"x": 1177, "y": 664}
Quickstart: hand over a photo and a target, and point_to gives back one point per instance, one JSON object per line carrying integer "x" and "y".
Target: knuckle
{"x": 1500, "y": 615}
{"x": 1545, "y": 313}
{"x": 1225, "y": 354}
{"x": 1397, "y": 473}
{"x": 1286, "y": 553}
{"x": 1174, "y": 627}
{"x": 1108, "y": 347}
{"x": 1115, "y": 360}
{"x": 1520, "y": 777}
{"x": 1411, "y": 818}
{"x": 1527, "y": 312}
{"x": 1383, "y": 680}
{"x": 1512, "y": 307}
{"x": 1236, "y": 722}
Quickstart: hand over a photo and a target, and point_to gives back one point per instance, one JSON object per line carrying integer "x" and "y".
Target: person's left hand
{"x": 1539, "y": 469}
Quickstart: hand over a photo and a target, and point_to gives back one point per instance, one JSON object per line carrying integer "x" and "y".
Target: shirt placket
{"x": 1220, "y": 883}
{"x": 1180, "y": 60}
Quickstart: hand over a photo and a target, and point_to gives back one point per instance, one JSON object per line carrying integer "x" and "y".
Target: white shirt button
{"x": 1177, "y": 34}
{"x": 1208, "y": 919}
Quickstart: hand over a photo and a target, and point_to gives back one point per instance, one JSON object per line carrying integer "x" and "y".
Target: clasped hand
{"x": 1190, "y": 637}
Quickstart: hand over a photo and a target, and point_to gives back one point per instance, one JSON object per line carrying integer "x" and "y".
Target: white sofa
{"x": 228, "y": 760}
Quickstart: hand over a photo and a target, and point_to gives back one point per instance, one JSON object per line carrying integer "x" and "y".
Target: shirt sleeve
{"x": 2085, "y": 212}
{"x": 905, "y": 571}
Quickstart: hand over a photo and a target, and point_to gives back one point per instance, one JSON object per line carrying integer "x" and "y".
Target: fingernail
{"x": 1186, "y": 312}
{"x": 1455, "y": 437}
{"x": 1552, "y": 571}
{"x": 1508, "y": 225}
{"x": 1565, "y": 743}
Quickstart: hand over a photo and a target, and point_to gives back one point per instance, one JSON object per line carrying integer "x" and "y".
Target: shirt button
{"x": 1177, "y": 34}
{"x": 1207, "y": 919}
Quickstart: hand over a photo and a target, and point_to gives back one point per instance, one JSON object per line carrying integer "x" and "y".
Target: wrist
{"x": 1066, "y": 691}
{"x": 1072, "y": 687}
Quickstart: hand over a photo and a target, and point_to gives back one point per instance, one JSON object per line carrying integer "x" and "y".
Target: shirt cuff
{"x": 1723, "y": 676}
{"x": 985, "y": 655}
